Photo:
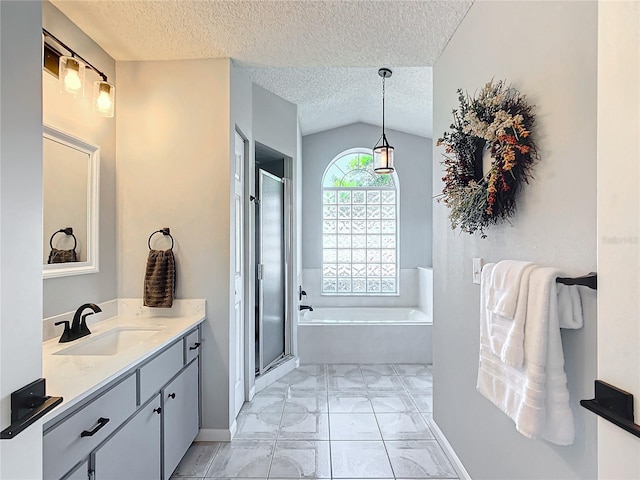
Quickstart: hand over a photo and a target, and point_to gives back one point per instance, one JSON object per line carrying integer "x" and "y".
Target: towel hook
{"x": 66, "y": 231}
{"x": 165, "y": 231}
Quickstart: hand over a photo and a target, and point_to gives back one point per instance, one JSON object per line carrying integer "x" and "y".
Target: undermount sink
{"x": 111, "y": 342}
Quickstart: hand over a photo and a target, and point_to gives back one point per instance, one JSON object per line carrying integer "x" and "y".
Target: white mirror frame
{"x": 93, "y": 218}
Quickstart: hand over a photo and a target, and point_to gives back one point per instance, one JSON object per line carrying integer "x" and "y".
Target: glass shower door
{"x": 271, "y": 268}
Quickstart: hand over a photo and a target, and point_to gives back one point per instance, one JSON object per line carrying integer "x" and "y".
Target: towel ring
{"x": 67, "y": 231}
{"x": 164, "y": 231}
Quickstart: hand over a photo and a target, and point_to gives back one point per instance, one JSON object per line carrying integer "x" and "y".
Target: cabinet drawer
{"x": 64, "y": 445}
{"x": 155, "y": 374}
{"x": 192, "y": 345}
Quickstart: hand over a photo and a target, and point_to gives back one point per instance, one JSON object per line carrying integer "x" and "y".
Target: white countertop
{"x": 76, "y": 377}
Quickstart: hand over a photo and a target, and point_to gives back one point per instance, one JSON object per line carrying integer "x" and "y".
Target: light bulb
{"x": 103, "y": 102}
{"x": 72, "y": 81}
{"x": 103, "y": 98}
{"x": 71, "y": 75}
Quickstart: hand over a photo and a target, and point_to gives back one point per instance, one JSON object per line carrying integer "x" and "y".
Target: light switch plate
{"x": 477, "y": 269}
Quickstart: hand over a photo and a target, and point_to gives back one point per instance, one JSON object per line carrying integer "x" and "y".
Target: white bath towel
{"x": 505, "y": 287}
{"x": 534, "y": 395}
{"x": 569, "y": 307}
{"x": 506, "y": 333}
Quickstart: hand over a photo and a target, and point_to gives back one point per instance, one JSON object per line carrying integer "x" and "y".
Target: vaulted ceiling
{"x": 321, "y": 55}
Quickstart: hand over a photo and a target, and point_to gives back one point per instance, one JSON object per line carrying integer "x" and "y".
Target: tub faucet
{"x": 79, "y": 327}
{"x": 305, "y": 307}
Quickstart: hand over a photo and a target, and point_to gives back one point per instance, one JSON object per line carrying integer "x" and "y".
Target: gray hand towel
{"x": 160, "y": 279}
{"x": 61, "y": 256}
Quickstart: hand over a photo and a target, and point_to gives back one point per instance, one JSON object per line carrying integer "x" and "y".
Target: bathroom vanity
{"x": 131, "y": 397}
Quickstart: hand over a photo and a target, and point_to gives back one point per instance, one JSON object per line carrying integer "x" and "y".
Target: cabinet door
{"x": 134, "y": 452}
{"x": 80, "y": 473}
{"x": 180, "y": 414}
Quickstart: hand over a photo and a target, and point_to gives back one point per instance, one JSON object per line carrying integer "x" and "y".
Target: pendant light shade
{"x": 71, "y": 74}
{"x": 104, "y": 96}
{"x": 383, "y": 152}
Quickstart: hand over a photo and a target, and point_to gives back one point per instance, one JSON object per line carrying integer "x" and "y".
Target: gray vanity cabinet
{"x": 180, "y": 416}
{"x": 133, "y": 452}
{"x": 80, "y": 473}
{"x": 139, "y": 427}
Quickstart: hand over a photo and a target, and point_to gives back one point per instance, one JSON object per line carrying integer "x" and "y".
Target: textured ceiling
{"x": 321, "y": 55}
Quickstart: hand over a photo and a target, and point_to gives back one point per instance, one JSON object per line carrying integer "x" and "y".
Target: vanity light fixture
{"x": 383, "y": 152}
{"x": 71, "y": 72}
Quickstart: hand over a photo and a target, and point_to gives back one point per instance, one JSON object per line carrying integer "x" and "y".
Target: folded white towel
{"x": 534, "y": 395}
{"x": 569, "y": 307}
{"x": 506, "y": 334}
{"x": 505, "y": 287}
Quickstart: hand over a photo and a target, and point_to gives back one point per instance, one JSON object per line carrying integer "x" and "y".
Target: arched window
{"x": 359, "y": 227}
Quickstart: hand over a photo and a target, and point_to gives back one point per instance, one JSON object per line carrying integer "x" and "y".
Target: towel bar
{"x": 590, "y": 280}
{"x": 614, "y": 405}
{"x": 165, "y": 231}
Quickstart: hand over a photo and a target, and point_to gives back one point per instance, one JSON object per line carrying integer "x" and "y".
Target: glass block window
{"x": 359, "y": 227}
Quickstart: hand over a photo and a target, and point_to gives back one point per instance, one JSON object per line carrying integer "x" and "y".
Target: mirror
{"x": 70, "y": 204}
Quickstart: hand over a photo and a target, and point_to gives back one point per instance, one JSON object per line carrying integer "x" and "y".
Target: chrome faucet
{"x": 305, "y": 307}
{"x": 79, "y": 327}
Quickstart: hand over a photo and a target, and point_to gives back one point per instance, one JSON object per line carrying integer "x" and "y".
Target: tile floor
{"x": 332, "y": 421}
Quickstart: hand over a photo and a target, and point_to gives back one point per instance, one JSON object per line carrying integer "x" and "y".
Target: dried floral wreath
{"x": 500, "y": 121}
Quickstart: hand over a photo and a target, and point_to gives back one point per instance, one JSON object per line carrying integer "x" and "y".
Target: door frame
{"x": 251, "y": 262}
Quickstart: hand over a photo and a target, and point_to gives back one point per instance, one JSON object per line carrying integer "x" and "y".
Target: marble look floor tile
{"x": 354, "y": 426}
{"x": 242, "y": 458}
{"x": 257, "y": 426}
{"x": 312, "y": 369}
{"x": 306, "y": 402}
{"x": 387, "y": 383}
{"x": 276, "y": 388}
{"x": 360, "y": 460}
{"x": 403, "y": 426}
{"x": 344, "y": 370}
{"x": 421, "y": 459}
{"x": 306, "y": 459}
{"x": 377, "y": 369}
{"x": 346, "y": 384}
{"x": 197, "y": 460}
{"x": 346, "y": 402}
{"x": 423, "y": 401}
{"x": 264, "y": 403}
{"x": 412, "y": 368}
{"x": 391, "y": 402}
{"x": 312, "y": 383}
{"x": 417, "y": 384}
{"x": 304, "y": 426}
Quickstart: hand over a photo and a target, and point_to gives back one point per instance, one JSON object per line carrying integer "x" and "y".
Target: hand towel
{"x": 505, "y": 287}
{"x": 534, "y": 395}
{"x": 62, "y": 256}
{"x": 160, "y": 279}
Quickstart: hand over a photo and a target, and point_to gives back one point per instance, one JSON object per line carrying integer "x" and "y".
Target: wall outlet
{"x": 477, "y": 269}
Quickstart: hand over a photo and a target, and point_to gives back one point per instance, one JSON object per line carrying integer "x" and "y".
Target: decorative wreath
{"x": 499, "y": 121}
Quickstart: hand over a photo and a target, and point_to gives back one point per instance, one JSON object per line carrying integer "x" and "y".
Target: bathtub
{"x": 364, "y": 335}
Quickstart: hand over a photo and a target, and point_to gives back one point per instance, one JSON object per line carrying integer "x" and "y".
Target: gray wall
{"x": 274, "y": 121}
{"x": 413, "y": 162}
{"x": 174, "y": 171}
{"x": 76, "y": 117}
{"x": 548, "y": 51}
{"x": 20, "y": 227}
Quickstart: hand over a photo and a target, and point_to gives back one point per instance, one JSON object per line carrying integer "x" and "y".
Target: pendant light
{"x": 383, "y": 152}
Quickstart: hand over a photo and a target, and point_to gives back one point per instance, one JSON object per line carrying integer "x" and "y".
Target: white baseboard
{"x": 217, "y": 434}
{"x": 451, "y": 454}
